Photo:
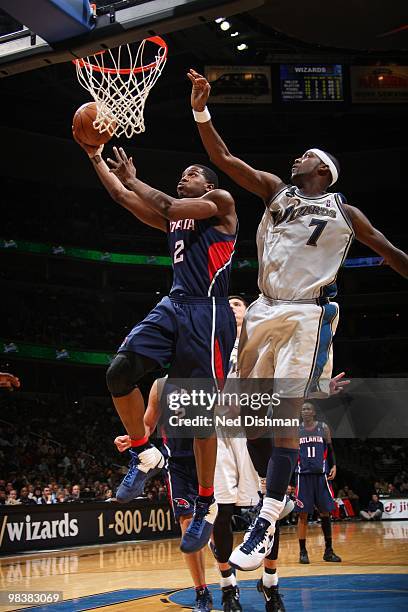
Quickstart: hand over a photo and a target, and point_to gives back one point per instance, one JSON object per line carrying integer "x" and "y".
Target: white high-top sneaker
{"x": 250, "y": 554}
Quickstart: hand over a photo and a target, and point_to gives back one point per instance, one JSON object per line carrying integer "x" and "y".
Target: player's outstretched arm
{"x": 368, "y": 235}
{"x": 166, "y": 206}
{"x": 263, "y": 184}
{"x": 118, "y": 192}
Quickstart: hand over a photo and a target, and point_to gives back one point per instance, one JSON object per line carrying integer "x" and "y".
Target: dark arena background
{"x": 77, "y": 272}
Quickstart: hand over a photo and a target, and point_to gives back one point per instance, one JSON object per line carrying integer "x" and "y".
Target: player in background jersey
{"x": 316, "y": 466}
{"x": 193, "y": 328}
{"x": 302, "y": 240}
{"x": 182, "y": 486}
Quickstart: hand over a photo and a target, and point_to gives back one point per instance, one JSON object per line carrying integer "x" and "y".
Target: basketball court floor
{"x": 152, "y": 576}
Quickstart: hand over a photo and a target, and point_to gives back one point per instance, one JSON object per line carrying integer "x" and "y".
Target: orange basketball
{"x": 82, "y": 125}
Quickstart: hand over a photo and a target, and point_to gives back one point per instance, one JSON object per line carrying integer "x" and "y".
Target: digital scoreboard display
{"x": 311, "y": 82}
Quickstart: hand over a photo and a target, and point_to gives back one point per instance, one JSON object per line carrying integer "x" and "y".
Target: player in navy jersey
{"x": 316, "y": 466}
{"x": 193, "y": 328}
{"x": 182, "y": 484}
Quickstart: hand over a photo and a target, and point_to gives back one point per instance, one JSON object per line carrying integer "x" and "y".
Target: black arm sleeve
{"x": 331, "y": 457}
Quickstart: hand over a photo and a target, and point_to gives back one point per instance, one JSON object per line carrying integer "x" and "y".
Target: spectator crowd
{"x": 53, "y": 455}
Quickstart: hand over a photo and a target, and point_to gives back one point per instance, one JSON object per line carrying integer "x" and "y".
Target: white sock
{"x": 270, "y": 580}
{"x": 230, "y": 581}
{"x": 262, "y": 485}
{"x": 271, "y": 509}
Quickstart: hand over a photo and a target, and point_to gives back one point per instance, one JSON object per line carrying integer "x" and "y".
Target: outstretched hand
{"x": 89, "y": 149}
{"x": 9, "y": 381}
{"x": 122, "y": 166}
{"x": 337, "y": 384}
{"x": 200, "y": 91}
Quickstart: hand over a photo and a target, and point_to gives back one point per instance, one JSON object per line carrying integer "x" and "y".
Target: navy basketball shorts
{"x": 182, "y": 485}
{"x": 195, "y": 335}
{"x": 313, "y": 490}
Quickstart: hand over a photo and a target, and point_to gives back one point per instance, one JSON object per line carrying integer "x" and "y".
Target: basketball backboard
{"x": 121, "y": 22}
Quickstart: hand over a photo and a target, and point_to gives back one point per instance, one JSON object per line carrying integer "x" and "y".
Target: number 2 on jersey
{"x": 317, "y": 232}
{"x": 178, "y": 251}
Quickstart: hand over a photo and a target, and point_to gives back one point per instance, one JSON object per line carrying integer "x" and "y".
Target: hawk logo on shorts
{"x": 180, "y": 502}
{"x": 299, "y": 503}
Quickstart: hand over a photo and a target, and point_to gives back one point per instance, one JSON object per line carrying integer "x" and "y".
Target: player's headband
{"x": 326, "y": 160}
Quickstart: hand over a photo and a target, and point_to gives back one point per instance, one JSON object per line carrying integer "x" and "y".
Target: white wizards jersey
{"x": 302, "y": 242}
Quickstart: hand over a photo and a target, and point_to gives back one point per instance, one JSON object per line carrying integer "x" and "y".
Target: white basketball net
{"x": 121, "y": 96}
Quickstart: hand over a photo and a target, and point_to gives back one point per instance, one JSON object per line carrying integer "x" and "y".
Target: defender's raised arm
{"x": 263, "y": 184}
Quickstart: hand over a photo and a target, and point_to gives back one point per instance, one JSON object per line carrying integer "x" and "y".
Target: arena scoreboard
{"x": 311, "y": 82}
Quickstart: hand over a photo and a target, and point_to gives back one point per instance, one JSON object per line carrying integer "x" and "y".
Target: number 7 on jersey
{"x": 317, "y": 232}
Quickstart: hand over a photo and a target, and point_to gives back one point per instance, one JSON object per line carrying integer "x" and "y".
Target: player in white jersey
{"x": 287, "y": 334}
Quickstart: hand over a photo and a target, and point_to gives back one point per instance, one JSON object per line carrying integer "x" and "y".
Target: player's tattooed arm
{"x": 263, "y": 184}
{"x": 167, "y": 207}
{"x": 371, "y": 237}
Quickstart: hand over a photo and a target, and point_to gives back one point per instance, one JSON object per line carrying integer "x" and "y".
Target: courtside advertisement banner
{"x": 27, "y": 528}
{"x": 395, "y": 509}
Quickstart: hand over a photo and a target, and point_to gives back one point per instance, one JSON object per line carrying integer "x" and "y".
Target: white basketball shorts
{"x": 236, "y": 481}
{"x": 289, "y": 341}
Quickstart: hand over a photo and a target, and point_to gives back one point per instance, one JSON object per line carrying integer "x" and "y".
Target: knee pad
{"x": 124, "y": 373}
{"x": 260, "y": 450}
{"x": 223, "y": 538}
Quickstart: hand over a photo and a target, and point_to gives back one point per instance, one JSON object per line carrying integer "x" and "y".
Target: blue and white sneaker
{"x": 204, "y": 601}
{"x": 287, "y": 509}
{"x": 199, "y": 530}
{"x": 251, "y": 553}
{"x": 142, "y": 467}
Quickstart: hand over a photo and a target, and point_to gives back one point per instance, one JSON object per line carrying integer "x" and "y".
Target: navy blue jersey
{"x": 312, "y": 450}
{"x": 178, "y": 448}
{"x": 201, "y": 256}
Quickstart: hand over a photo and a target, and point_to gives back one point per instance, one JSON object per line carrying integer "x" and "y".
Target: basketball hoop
{"x": 120, "y": 92}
